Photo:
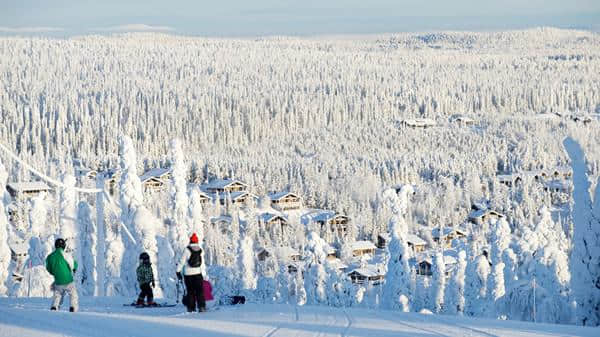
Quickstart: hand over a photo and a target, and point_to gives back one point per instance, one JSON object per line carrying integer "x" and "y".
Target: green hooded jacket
{"x": 59, "y": 265}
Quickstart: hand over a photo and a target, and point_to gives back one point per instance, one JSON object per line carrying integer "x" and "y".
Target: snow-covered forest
{"x": 469, "y": 159}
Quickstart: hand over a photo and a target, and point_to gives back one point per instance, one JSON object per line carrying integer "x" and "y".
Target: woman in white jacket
{"x": 191, "y": 266}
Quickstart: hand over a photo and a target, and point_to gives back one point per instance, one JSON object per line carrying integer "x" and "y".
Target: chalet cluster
{"x": 362, "y": 261}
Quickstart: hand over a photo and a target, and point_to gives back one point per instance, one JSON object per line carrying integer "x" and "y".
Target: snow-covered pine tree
{"x": 246, "y": 264}
{"x": 438, "y": 281}
{"x": 300, "y": 291}
{"x": 69, "y": 229}
{"x": 496, "y": 291}
{"x": 178, "y": 201}
{"x": 89, "y": 242}
{"x": 398, "y": 270}
{"x": 4, "y": 248}
{"x": 136, "y": 216}
{"x": 455, "y": 296}
{"x": 316, "y": 277}
{"x": 586, "y": 239}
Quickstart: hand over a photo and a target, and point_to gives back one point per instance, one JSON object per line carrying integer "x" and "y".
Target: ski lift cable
{"x": 45, "y": 177}
{"x": 61, "y": 185}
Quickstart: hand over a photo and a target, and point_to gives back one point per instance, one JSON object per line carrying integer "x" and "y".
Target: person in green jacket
{"x": 62, "y": 266}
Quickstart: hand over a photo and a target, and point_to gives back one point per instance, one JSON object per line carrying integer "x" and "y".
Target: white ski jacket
{"x": 183, "y": 262}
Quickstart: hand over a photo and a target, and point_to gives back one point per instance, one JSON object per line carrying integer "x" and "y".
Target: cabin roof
{"x": 282, "y": 253}
{"x": 266, "y": 217}
{"x": 28, "y": 186}
{"x": 362, "y": 245}
{"x": 483, "y": 212}
{"x": 368, "y": 271}
{"x": 280, "y": 195}
{"x": 223, "y": 183}
{"x": 157, "y": 172}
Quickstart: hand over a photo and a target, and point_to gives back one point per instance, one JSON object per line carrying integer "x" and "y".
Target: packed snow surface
{"x": 105, "y": 316}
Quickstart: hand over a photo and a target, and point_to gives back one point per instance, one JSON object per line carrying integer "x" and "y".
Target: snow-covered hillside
{"x": 107, "y": 317}
{"x": 454, "y": 172}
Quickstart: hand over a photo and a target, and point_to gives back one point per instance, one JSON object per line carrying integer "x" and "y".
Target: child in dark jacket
{"x": 145, "y": 277}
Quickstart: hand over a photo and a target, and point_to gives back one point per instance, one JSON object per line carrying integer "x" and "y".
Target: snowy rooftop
{"x": 410, "y": 238}
{"x": 427, "y": 257}
{"x": 560, "y": 185}
{"x": 28, "y": 186}
{"x": 415, "y": 240}
{"x": 221, "y": 218}
{"x": 362, "y": 245}
{"x": 158, "y": 172}
{"x": 337, "y": 264}
{"x": 368, "y": 271}
{"x": 282, "y": 253}
{"x": 326, "y": 215}
{"x": 235, "y": 195}
{"x": 222, "y": 183}
{"x": 447, "y": 231}
{"x": 419, "y": 122}
{"x": 280, "y": 195}
{"x": 266, "y": 217}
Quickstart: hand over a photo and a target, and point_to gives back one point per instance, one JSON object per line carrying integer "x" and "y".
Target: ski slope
{"x": 30, "y": 317}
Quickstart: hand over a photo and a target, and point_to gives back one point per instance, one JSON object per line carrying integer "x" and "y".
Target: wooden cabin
{"x": 335, "y": 222}
{"x": 418, "y": 123}
{"x": 27, "y": 189}
{"x": 424, "y": 265}
{"x": 360, "y": 248}
{"x": 481, "y": 216}
{"x": 285, "y": 201}
{"x": 238, "y": 197}
{"x": 270, "y": 221}
{"x": 112, "y": 179}
{"x": 447, "y": 235}
{"x": 367, "y": 274}
{"x": 413, "y": 241}
{"x": 224, "y": 186}
{"x": 463, "y": 120}
{"x": 155, "y": 179}
{"x": 222, "y": 222}
{"x": 285, "y": 254}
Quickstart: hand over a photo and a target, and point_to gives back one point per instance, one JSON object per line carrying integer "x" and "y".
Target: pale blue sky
{"x": 268, "y": 17}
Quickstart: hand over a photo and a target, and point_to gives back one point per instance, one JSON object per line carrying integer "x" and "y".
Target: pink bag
{"x": 207, "y": 288}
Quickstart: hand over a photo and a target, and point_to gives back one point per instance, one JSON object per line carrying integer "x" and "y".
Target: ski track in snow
{"x": 107, "y": 317}
{"x": 472, "y": 330}
{"x": 349, "y": 325}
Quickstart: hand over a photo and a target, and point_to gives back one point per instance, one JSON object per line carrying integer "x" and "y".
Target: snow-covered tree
{"x": 438, "y": 282}
{"x": 88, "y": 263}
{"x": 585, "y": 256}
{"x": 136, "y": 216}
{"x": 69, "y": 228}
{"x": 496, "y": 290}
{"x": 178, "y": 202}
{"x": 398, "y": 270}
{"x": 4, "y": 248}
{"x": 246, "y": 264}
{"x": 455, "y": 293}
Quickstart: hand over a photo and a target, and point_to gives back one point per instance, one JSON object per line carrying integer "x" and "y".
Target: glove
{"x": 153, "y": 285}
{"x": 179, "y": 277}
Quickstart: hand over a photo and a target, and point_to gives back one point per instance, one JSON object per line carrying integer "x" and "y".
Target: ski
{"x": 158, "y": 305}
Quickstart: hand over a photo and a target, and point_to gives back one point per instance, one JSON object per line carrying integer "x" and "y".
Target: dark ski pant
{"x": 146, "y": 293}
{"x": 195, "y": 290}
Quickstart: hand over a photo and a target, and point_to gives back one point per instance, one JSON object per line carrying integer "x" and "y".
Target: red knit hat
{"x": 194, "y": 238}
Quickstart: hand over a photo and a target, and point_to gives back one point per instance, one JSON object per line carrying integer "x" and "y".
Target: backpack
{"x": 195, "y": 259}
